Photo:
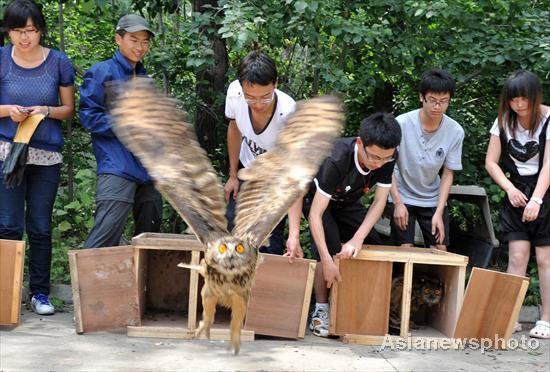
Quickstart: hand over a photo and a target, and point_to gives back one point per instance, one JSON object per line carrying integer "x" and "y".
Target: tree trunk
{"x": 69, "y": 150}
{"x": 383, "y": 97}
{"x": 211, "y": 80}
{"x": 165, "y": 77}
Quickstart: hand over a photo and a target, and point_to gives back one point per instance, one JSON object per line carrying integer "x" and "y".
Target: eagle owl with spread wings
{"x": 152, "y": 126}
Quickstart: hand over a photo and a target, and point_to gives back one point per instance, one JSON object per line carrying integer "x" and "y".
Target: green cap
{"x": 133, "y": 23}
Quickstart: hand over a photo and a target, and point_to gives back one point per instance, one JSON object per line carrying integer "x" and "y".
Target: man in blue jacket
{"x": 122, "y": 182}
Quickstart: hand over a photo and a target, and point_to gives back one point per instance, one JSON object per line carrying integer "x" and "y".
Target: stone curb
{"x": 530, "y": 314}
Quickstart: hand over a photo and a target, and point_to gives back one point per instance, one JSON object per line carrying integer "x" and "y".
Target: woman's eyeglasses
{"x": 27, "y": 31}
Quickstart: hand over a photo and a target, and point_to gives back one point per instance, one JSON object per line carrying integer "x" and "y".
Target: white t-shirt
{"x": 254, "y": 144}
{"x": 528, "y": 146}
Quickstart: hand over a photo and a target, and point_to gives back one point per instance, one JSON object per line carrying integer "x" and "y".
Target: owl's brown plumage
{"x": 152, "y": 126}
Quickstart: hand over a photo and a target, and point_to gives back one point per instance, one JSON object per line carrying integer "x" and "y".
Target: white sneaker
{"x": 319, "y": 323}
{"x": 41, "y": 304}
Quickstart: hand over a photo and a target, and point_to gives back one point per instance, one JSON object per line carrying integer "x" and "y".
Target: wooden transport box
{"x": 281, "y": 290}
{"x": 169, "y": 296}
{"x": 469, "y": 316}
{"x": 12, "y": 257}
{"x": 140, "y": 288}
{"x": 360, "y": 304}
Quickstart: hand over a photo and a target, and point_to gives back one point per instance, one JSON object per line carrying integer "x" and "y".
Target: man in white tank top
{"x": 257, "y": 111}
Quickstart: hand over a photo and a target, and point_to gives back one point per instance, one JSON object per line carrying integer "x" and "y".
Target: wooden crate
{"x": 103, "y": 285}
{"x": 360, "y": 304}
{"x": 459, "y": 317}
{"x": 168, "y": 296}
{"x": 12, "y": 257}
{"x": 280, "y": 298}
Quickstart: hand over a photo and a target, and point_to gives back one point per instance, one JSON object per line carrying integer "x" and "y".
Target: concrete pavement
{"x": 50, "y": 343}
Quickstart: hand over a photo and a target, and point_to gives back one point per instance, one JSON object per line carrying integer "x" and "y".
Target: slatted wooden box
{"x": 169, "y": 296}
{"x": 360, "y": 304}
{"x": 141, "y": 289}
{"x": 12, "y": 258}
{"x": 488, "y": 310}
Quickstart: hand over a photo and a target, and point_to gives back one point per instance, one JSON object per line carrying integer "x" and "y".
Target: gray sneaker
{"x": 319, "y": 323}
{"x": 41, "y": 304}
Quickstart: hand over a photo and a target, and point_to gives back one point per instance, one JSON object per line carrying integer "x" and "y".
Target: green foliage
{"x": 533, "y": 293}
{"x": 58, "y": 303}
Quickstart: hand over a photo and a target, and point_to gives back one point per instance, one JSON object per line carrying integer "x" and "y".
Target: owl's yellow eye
{"x": 239, "y": 248}
{"x": 426, "y": 290}
{"x": 222, "y": 248}
{"x": 437, "y": 291}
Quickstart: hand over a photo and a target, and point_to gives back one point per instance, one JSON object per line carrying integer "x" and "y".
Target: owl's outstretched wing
{"x": 153, "y": 128}
{"x": 280, "y": 176}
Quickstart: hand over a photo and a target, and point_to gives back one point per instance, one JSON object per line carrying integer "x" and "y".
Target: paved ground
{"x": 50, "y": 344}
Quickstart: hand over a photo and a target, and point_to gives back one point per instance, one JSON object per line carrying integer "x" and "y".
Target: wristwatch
{"x": 536, "y": 200}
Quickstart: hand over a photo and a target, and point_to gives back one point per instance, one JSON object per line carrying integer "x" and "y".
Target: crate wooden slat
{"x": 491, "y": 305}
{"x": 103, "y": 285}
{"x": 420, "y": 342}
{"x": 220, "y": 334}
{"x": 430, "y": 256}
{"x": 449, "y": 310}
{"x": 12, "y": 257}
{"x": 167, "y": 242}
{"x": 280, "y": 298}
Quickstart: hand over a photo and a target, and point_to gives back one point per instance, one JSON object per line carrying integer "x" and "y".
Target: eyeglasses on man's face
{"x": 28, "y": 31}
{"x": 434, "y": 102}
{"x": 261, "y": 101}
{"x": 377, "y": 159}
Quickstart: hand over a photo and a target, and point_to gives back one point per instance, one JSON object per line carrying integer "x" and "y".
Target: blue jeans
{"x": 29, "y": 206}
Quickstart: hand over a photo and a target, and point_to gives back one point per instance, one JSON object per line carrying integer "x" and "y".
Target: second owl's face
{"x": 229, "y": 253}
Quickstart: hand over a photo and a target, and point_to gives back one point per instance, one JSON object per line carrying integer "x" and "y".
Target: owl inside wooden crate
{"x": 152, "y": 126}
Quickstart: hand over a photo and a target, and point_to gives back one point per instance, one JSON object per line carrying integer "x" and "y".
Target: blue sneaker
{"x": 319, "y": 324}
{"x": 41, "y": 304}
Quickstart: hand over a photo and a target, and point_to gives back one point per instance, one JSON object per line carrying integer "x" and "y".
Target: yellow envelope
{"x": 27, "y": 127}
